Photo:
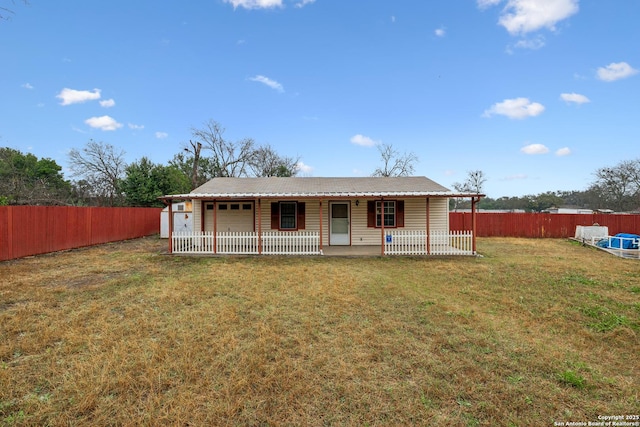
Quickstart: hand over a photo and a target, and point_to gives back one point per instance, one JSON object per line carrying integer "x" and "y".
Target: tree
{"x": 102, "y": 167}
{"x": 5, "y": 12}
{"x": 146, "y": 181}
{"x": 394, "y": 164}
{"x": 619, "y": 186}
{"x": 229, "y": 159}
{"x": 473, "y": 184}
{"x": 205, "y": 170}
{"x": 25, "y": 179}
{"x": 266, "y": 162}
{"x": 543, "y": 201}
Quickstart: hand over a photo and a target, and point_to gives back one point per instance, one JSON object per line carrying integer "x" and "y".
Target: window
{"x": 222, "y": 207}
{"x": 389, "y": 214}
{"x": 235, "y": 207}
{"x": 389, "y": 211}
{"x": 246, "y": 207}
{"x": 209, "y": 206}
{"x": 288, "y": 215}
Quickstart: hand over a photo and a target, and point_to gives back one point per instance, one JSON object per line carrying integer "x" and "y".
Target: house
{"x": 307, "y": 215}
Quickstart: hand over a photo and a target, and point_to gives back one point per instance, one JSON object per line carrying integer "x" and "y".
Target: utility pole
{"x": 195, "y": 149}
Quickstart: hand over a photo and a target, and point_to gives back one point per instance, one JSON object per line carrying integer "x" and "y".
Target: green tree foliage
{"x": 25, "y": 179}
{"x": 146, "y": 181}
{"x": 184, "y": 161}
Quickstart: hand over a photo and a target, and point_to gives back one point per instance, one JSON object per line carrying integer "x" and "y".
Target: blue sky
{"x": 537, "y": 94}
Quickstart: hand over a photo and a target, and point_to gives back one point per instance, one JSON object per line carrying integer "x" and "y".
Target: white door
{"x": 339, "y": 223}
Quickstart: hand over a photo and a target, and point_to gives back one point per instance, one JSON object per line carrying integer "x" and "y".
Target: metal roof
{"x": 318, "y": 187}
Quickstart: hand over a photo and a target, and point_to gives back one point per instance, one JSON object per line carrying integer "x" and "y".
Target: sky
{"x": 536, "y": 94}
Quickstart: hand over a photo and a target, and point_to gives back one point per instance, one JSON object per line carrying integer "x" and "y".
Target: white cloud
{"x": 162, "y": 135}
{"x": 534, "y": 149}
{"x": 483, "y": 4}
{"x": 440, "y": 32}
{"x": 107, "y": 103}
{"x": 103, "y": 123}
{"x": 565, "y": 151}
{"x": 517, "y": 108}
{"x": 304, "y": 168}
{"x": 365, "y": 141}
{"x": 525, "y": 16}
{"x": 535, "y": 43}
{"x": 393, "y": 19}
{"x": 27, "y": 86}
{"x": 303, "y": 3}
{"x": 255, "y": 4}
{"x": 575, "y": 98}
{"x": 515, "y": 177}
{"x": 616, "y": 71}
{"x": 135, "y": 127}
{"x": 267, "y": 81}
{"x": 72, "y": 96}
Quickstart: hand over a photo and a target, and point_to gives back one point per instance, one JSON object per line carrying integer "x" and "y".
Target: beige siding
{"x": 197, "y": 215}
{"x": 439, "y": 214}
{"x": 414, "y": 216}
{"x": 312, "y": 214}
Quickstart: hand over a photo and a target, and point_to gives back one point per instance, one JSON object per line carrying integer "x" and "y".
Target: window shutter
{"x": 400, "y": 213}
{"x": 301, "y": 215}
{"x": 275, "y": 215}
{"x": 371, "y": 213}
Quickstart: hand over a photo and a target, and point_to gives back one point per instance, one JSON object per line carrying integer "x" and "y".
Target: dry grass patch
{"x": 536, "y": 331}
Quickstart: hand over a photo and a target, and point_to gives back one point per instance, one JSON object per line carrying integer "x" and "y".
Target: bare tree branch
{"x": 267, "y": 162}
{"x": 394, "y": 164}
{"x": 102, "y": 167}
{"x": 231, "y": 159}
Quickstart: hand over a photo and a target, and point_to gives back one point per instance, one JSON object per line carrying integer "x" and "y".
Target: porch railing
{"x": 246, "y": 243}
{"x": 414, "y": 242}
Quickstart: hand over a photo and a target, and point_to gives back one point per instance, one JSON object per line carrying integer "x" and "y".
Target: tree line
{"x": 614, "y": 187}
{"x": 101, "y": 176}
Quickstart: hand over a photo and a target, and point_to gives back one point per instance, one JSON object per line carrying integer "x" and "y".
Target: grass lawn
{"x": 532, "y": 333}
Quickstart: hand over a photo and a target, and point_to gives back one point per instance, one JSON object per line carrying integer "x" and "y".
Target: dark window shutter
{"x": 301, "y": 215}
{"x": 400, "y": 213}
{"x": 371, "y": 213}
{"x": 275, "y": 215}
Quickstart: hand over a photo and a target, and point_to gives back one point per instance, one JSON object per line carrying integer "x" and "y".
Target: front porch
{"x": 393, "y": 242}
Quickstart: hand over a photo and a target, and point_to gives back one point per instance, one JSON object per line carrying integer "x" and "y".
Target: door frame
{"x": 331, "y": 238}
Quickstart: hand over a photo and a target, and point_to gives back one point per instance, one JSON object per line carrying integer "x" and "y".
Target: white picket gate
{"x": 414, "y": 242}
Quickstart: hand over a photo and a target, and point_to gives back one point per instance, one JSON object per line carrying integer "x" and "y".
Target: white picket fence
{"x": 414, "y": 242}
{"x": 397, "y": 242}
{"x": 246, "y": 243}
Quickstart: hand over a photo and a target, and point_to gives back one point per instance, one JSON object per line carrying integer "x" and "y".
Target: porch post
{"x": 170, "y": 226}
{"x": 473, "y": 224}
{"x": 203, "y": 212}
{"x": 428, "y": 230}
{"x": 381, "y": 224}
{"x": 320, "y": 225}
{"x": 215, "y": 227}
{"x": 259, "y": 227}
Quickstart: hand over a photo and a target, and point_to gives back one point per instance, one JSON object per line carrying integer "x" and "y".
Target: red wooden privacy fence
{"x": 32, "y": 230}
{"x": 538, "y": 225}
